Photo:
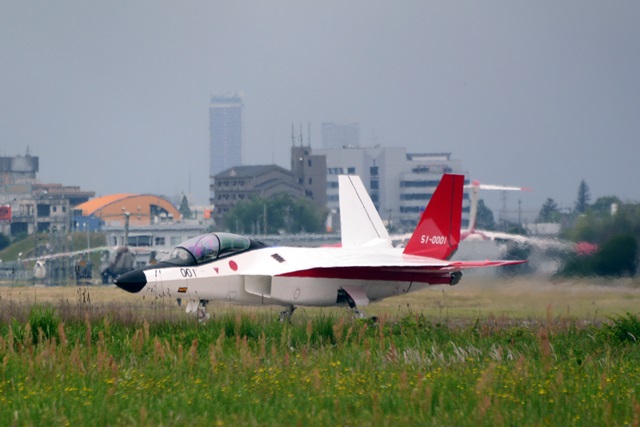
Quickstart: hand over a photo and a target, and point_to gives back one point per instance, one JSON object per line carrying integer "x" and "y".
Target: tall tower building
{"x": 336, "y": 135}
{"x": 225, "y": 135}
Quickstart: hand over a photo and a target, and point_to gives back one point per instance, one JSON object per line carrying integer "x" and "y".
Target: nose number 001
{"x": 434, "y": 240}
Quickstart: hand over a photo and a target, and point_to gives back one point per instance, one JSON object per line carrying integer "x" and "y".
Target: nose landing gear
{"x": 199, "y": 307}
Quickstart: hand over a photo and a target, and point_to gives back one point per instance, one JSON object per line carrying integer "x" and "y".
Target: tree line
{"x": 608, "y": 225}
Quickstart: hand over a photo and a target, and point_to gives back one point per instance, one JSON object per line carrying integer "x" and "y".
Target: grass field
{"x": 522, "y": 352}
{"x": 586, "y": 299}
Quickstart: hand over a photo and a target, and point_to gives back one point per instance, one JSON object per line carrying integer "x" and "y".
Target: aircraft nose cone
{"x": 132, "y": 281}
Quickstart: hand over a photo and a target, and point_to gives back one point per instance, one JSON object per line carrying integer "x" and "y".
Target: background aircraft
{"x": 366, "y": 267}
{"x": 471, "y": 233}
{"x": 475, "y": 187}
{"x": 114, "y": 261}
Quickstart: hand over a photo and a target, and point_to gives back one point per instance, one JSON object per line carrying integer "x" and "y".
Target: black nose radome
{"x": 132, "y": 281}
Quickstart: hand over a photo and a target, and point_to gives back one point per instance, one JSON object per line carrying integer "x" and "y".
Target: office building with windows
{"x": 418, "y": 180}
{"x": 379, "y": 169}
{"x": 400, "y": 184}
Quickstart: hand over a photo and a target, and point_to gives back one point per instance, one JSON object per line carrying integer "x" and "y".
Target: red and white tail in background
{"x": 438, "y": 232}
{"x": 475, "y": 186}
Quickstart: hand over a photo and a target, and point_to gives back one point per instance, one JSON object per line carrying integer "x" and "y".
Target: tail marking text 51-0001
{"x": 434, "y": 240}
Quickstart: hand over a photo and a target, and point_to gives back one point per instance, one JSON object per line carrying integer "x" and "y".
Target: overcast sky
{"x": 113, "y": 96}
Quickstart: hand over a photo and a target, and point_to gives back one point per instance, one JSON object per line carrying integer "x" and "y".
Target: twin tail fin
{"x": 438, "y": 232}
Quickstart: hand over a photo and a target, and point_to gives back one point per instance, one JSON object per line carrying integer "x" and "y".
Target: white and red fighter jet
{"x": 365, "y": 267}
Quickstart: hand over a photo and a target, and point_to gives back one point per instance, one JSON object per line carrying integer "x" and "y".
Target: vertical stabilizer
{"x": 359, "y": 220}
{"x": 473, "y": 212}
{"x": 438, "y": 232}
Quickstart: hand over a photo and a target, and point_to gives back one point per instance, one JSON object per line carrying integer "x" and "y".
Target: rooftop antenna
{"x": 300, "y": 134}
{"x": 293, "y": 137}
{"x": 309, "y": 133}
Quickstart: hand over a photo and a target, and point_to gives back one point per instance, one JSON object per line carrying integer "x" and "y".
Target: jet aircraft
{"x": 115, "y": 260}
{"x": 364, "y": 268}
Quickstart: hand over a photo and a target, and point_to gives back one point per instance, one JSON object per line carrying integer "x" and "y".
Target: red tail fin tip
{"x": 438, "y": 232}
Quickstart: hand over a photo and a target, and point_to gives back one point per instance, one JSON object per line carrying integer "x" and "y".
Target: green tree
{"x": 244, "y": 217}
{"x": 549, "y": 212}
{"x": 616, "y": 257}
{"x": 584, "y": 197}
{"x": 484, "y": 217}
{"x": 184, "y": 209}
{"x": 602, "y": 206}
{"x": 5, "y": 241}
{"x": 307, "y": 217}
{"x": 616, "y": 234}
{"x": 599, "y": 225}
{"x": 284, "y": 214}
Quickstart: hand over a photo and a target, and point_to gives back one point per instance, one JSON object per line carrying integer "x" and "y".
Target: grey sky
{"x": 539, "y": 93}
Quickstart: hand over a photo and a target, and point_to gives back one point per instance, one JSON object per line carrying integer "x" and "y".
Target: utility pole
{"x": 86, "y": 226}
{"x": 36, "y": 198}
{"x": 126, "y": 228}
{"x": 265, "y": 217}
{"x": 520, "y": 212}
{"x": 35, "y": 228}
{"x": 503, "y": 214}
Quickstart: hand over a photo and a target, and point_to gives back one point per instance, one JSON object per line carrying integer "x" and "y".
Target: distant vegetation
{"x": 612, "y": 225}
{"x": 184, "y": 209}
{"x": 609, "y": 225}
{"x": 5, "y": 241}
{"x": 280, "y": 213}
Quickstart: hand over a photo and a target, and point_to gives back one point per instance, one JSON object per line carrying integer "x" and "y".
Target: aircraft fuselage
{"x": 285, "y": 276}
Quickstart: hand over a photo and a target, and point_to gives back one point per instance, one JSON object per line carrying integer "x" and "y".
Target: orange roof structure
{"x": 143, "y": 209}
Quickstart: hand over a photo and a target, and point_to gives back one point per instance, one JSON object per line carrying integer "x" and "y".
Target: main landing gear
{"x": 344, "y": 297}
{"x": 285, "y": 315}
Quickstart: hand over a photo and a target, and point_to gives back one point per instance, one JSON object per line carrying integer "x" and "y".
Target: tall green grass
{"x": 113, "y": 367}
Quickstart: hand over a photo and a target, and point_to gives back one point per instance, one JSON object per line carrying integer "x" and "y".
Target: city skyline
{"x": 114, "y": 96}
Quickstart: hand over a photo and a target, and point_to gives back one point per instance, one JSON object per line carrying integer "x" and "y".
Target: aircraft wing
{"x": 425, "y": 273}
{"x": 69, "y": 254}
{"x": 540, "y": 242}
{"x": 372, "y": 264}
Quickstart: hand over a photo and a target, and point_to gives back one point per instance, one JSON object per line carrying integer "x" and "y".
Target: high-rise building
{"x": 225, "y": 135}
{"x": 336, "y": 135}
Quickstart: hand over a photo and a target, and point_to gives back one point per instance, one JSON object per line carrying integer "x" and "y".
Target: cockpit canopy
{"x": 208, "y": 247}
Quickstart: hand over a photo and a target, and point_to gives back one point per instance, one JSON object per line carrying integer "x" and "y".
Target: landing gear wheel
{"x": 199, "y": 308}
{"x": 201, "y": 312}
{"x": 357, "y": 314}
{"x": 285, "y": 315}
